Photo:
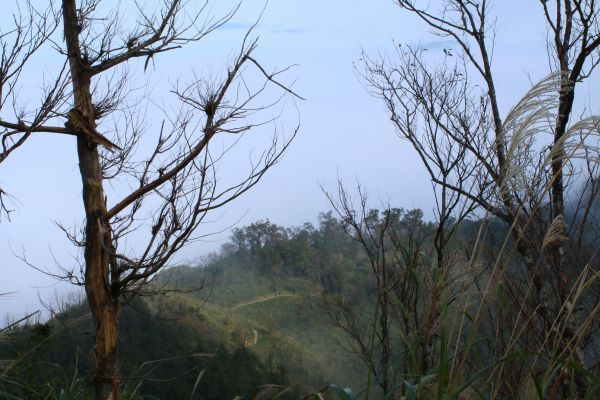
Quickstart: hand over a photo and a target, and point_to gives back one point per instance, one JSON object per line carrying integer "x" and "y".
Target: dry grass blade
{"x": 197, "y": 382}
{"x": 16, "y": 323}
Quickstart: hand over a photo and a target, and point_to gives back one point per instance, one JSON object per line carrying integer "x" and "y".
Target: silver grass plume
{"x": 532, "y": 117}
{"x": 555, "y": 232}
{"x": 530, "y": 125}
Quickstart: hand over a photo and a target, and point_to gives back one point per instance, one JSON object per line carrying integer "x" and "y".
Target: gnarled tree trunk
{"x": 102, "y": 298}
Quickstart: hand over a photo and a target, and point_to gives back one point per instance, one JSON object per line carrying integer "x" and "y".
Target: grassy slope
{"x": 288, "y": 316}
{"x": 282, "y": 321}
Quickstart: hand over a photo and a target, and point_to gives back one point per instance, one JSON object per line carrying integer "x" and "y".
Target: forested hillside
{"x": 136, "y": 129}
{"x": 255, "y": 313}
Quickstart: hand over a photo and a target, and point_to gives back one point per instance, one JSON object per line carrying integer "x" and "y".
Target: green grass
{"x": 294, "y": 329}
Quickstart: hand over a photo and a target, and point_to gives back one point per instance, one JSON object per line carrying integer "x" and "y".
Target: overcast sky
{"x": 344, "y": 132}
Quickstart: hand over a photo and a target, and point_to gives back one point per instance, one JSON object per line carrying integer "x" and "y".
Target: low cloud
{"x": 236, "y": 25}
{"x": 279, "y": 29}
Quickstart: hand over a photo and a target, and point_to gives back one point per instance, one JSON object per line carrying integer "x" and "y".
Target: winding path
{"x": 262, "y": 299}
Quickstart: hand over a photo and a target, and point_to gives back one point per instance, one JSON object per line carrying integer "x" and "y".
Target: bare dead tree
{"x": 516, "y": 168}
{"x": 31, "y": 30}
{"x": 414, "y": 276}
{"x": 366, "y": 228}
{"x": 169, "y": 190}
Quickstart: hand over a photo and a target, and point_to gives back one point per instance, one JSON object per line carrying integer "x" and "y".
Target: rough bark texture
{"x": 179, "y": 173}
{"x": 103, "y": 303}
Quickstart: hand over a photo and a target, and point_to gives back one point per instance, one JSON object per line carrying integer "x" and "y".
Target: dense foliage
{"x": 161, "y": 357}
{"x": 299, "y": 308}
{"x": 167, "y": 341}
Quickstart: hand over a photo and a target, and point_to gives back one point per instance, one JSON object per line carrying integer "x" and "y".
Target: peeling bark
{"x": 102, "y": 299}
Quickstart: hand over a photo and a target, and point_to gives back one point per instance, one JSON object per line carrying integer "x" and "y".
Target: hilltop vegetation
{"x": 497, "y": 298}
{"x": 292, "y": 308}
{"x": 260, "y": 318}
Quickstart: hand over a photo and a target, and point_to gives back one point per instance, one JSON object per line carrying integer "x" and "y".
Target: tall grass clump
{"x": 477, "y": 305}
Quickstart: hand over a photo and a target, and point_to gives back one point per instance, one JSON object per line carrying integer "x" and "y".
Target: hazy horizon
{"x": 344, "y": 132}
